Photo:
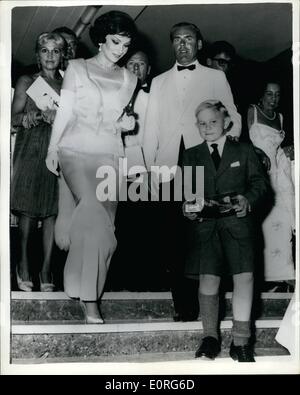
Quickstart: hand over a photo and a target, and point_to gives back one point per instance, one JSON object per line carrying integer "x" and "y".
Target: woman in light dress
{"x": 288, "y": 332}
{"x": 266, "y": 133}
{"x": 86, "y": 137}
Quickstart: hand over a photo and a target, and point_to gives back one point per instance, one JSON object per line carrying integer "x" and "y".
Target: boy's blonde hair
{"x": 216, "y": 105}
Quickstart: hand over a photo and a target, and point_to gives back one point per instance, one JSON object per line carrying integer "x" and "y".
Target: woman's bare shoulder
{"x": 251, "y": 108}
{"x": 23, "y": 83}
{"x": 25, "y": 79}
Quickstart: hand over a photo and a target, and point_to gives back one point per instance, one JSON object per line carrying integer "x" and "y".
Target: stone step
{"x": 179, "y": 356}
{"x": 123, "y": 339}
{"x": 38, "y": 307}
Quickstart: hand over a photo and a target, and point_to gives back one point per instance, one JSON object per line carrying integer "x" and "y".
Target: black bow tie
{"x": 146, "y": 88}
{"x": 190, "y": 67}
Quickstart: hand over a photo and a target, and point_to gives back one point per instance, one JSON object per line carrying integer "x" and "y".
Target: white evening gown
{"x": 278, "y": 225}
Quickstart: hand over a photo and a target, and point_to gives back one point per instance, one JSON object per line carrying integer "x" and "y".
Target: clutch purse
{"x": 43, "y": 95}
{"x": 129, "y": 111}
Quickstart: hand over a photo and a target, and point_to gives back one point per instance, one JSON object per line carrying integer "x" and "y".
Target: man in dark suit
{"x": 139, "y": 64}
{"x": 220, "y": 56}
{"x": 141, "y": 271}
{"x": 222, "y": 229}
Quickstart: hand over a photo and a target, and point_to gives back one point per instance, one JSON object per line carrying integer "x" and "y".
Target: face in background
{"x": 185, "y": 45}
{"x": 72, "y": 45}
{"x": 211, "y": 124}
{"x": 50, "y": 55}
{"x": 138, "y": 64}
{"x": 115, "y": 47}
{"x": 221, "y": 61}
{"x": 271, "y": 97}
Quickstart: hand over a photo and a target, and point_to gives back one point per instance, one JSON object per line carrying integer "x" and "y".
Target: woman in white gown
{"x": 87, "y": 135}
{"x": 288, "y": 333}
{"x": 266, "y": 133}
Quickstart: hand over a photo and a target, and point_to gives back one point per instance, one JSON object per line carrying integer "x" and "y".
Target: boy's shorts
{"x": 220, "y": 246}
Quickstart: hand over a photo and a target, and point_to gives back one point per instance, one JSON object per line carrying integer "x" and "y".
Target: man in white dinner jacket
{"x": 176, "y": 93}
{"x": 170, "y": 127}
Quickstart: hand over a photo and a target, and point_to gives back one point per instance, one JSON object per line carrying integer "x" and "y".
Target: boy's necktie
{"x": 215, "y": 155}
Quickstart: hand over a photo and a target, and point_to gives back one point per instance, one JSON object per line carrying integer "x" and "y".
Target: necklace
{"x": 265, "y": 115}
{"x": 113, "y": 67}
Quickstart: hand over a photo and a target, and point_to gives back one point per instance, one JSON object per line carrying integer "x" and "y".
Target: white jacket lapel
{"x": 172, "y": 104}
{"x": 195, "y": 89}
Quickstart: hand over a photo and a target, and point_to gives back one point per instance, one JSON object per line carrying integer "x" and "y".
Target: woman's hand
{"x": 131, "y": 141}
{"x": 263, "y": 157}
{"x": 49, "y": 116}
{"x": 31, "y": 119}
{"x": 52, "y": 162}
{"x": 126, "y": 123}
{"x": 282, "y": 134}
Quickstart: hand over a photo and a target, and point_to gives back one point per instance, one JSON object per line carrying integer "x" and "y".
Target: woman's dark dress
{"x": 34, "y": 190}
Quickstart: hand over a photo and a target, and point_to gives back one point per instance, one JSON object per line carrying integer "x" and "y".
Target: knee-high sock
{"x": 209, "y": 310}
{"x": 241, "y": 332}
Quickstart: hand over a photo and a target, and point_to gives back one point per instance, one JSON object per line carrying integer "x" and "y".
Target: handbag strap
{"x": 129, "y": 109}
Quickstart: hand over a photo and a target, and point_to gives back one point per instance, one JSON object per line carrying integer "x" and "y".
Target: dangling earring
{"x": 62, "y": 63}
{"x": 39, "y": 63}
{"x": 100, "y": 45}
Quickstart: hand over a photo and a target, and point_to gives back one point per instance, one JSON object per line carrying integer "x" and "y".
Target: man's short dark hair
{"x": 221, "y": 47}
{"x": 193, "y": 27}
{"x": 65, "y": 29}
{"x": 134, "y": 51}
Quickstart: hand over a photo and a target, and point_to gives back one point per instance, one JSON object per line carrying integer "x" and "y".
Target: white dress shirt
{"x": 220, "y": 144}
{"x": 169, "y": 116}
{"x": 182, "y": 80}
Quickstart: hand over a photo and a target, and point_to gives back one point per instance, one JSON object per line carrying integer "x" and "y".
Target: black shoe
{"x": 242, "y": 353}
{"x": 177, "y": 317}
{"x": 189, "y": 317}
{"x": 185, "y": 317}
{"x": 209, "y": 348}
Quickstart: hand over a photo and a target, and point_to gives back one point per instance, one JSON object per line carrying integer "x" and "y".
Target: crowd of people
{"x": 186, "y": 116}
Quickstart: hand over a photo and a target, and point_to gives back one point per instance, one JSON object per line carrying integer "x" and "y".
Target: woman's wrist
{"x": 53, "y": 148}
{"x": 21, "y": 118}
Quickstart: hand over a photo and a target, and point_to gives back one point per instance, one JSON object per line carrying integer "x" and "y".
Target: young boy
{"x": 233, "y": 169}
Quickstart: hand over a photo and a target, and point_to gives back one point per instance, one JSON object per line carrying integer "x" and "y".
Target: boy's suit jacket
{"x": 239, "y": 171}
{"x": 170, "y": 116}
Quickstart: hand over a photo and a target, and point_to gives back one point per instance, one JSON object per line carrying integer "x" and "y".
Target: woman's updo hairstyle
{"x": 43, "y": 38}
{"x": 113, "y": 22}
